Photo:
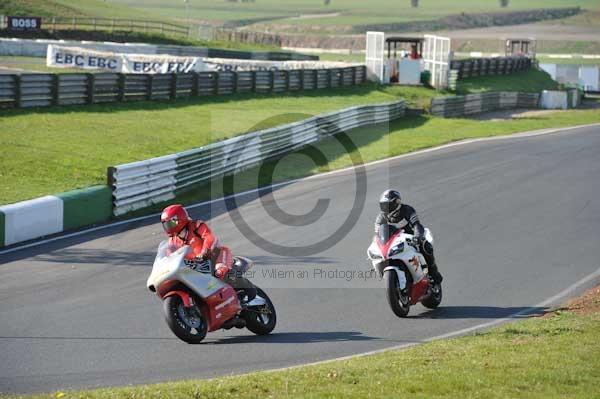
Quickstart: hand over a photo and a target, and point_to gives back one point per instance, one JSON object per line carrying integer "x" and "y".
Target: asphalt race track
{"x": 516, "y": 221}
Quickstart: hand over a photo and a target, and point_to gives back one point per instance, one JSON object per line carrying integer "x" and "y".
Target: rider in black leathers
{"x": 403, "y": 216}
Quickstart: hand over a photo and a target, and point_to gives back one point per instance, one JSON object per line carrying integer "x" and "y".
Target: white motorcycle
{"x": 395, "y": 256}
{"x": 195, "y": 302}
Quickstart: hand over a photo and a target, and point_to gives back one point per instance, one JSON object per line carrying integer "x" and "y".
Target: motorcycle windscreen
{"x": 386, "y": 231}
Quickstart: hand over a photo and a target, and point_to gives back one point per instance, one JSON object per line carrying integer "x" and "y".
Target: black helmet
{"x": 390, "y": 201}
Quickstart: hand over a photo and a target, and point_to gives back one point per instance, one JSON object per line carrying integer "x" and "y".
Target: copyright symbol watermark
{"x": 265, "y": 179}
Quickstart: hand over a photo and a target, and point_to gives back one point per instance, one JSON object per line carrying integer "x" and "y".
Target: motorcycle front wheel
{"x": 398, "y": 301}
{"x": 188, "y": 324}
{"x": 261, "y": 320}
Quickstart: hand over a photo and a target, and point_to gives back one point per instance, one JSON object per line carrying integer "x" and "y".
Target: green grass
{"x": 62, "y": 148}
{"x": 543, "y": 46}
{"x": 538, "y": 358}
{"x": 349, "y": 12}
{"x": 79, "y": 8}
{"x": 569, "y": 61}
{"x": 355, "y": 57}
{"x": 527, "y": 81}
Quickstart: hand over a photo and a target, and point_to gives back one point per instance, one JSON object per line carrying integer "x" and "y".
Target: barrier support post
{"x": 121, "y": 87}
{"x": 173, "y": 91}
{"x": 286, "y": 76}
{"x": 195, "y": 79}
{"x": 150, "y": 86}
{"x": 234, "y": 85}
{"x": 17, "y": 80}
{"x": 216, "y": 83}
{"x": 54, "y": 89}
{"x": 91, "y": 87}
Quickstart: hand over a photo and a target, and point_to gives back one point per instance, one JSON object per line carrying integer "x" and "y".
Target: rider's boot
{"x": 427, "y": 251}
{"x": 435, "y": 273}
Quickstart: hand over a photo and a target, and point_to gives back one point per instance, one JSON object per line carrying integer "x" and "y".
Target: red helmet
{"x": 174, "y": 218}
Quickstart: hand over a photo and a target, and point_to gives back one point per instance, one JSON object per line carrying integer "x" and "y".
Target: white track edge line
{"x": 549, "y": 301}
{"x": 517, "y": 135}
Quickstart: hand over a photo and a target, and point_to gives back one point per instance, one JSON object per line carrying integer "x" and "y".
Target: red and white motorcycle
{"x": 395, "y": 256}
{"x": 195, "y": 302}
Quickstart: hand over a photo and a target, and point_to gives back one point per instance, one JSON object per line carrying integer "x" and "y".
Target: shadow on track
{"x": 480, "y": 312}
{"x": 297, "y": 338}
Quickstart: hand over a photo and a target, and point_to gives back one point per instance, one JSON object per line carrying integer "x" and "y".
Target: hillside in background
{"x": 341, "y": 23}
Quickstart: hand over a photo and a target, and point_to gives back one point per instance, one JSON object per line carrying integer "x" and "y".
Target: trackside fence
{"x": 43, "y": 90}
{"x": 476, "y": 103}
{"x": 140, "y": 184}
{"x": 473, "y": 67}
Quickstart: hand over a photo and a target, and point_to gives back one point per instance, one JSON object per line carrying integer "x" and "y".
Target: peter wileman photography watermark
{"x": 313, "y": 276}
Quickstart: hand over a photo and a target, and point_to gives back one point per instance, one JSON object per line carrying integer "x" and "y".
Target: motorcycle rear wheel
{"x": 261, "y": 320}
{"x": 188, "y": 324}
{"x": 399, "y": 303}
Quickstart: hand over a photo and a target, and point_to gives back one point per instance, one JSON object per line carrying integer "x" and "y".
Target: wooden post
{"x": 272, "y": 82}
{"x": 53, "y": 24}
{"x": 316, "y": 79}
{"x": 341, "y": 77}
{"x": 353, "y": 76}
{"x": 329, "y": 78}
{"x": 91, "y": 87}
{"x": 253, "y": 81}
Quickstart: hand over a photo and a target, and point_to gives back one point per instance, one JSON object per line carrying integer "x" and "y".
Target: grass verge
{"x": 554, "y": 356}
{"x": 64, "y": 148}
{"x": 531, "y": 81}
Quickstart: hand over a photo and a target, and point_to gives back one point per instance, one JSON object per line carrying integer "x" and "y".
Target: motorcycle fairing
{"x": 220, "y": 307}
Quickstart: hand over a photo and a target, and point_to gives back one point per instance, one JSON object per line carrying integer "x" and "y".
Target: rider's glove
{"x": 204, "y": 255}
{"x": 419, "y": 241}
{"x": 221, "y": 270}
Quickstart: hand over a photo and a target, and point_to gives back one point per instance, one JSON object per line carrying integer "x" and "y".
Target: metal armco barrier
{"x": 43, "y": 90}
{"x": 477, "y": 103}
{"x": 140, "y": 184}
{"x": 473, "y": 67}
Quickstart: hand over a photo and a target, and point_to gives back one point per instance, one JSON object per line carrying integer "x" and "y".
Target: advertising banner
{"x": 76, "y": 57}
{"x": 23, "y": 23}
{"x": 81, "y": 58}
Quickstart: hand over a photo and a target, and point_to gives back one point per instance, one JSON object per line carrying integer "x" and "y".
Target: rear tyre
{"x": 261, "y": 320}
{"x": 188, "y": 324}
{"x": 399, "y": 302}
{"x": 434, "y": 298}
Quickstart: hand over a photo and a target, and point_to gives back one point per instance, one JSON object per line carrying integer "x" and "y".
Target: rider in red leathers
{"x": 184, "y": 231}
